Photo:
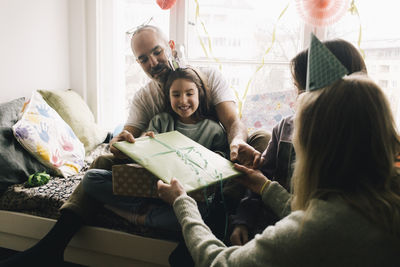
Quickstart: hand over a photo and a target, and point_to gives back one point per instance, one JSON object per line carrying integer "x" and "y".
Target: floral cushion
{"x": 264, "y": 111}
{"x": 43, "y": 133}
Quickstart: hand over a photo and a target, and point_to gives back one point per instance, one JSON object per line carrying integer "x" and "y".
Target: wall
{"x": 34, "y": 47}
{"x": 91, "y": 55}
{"x": 77, "y": 46}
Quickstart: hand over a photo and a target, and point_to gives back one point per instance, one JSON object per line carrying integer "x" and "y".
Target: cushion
{"x": 16, "y": 164}
{"x": 264, "y": 111}
{"x": 43, "y": 133}
{"x": 74, "y": 111}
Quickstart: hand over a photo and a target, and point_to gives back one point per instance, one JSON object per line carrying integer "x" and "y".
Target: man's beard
{"x": 161, "y": 78}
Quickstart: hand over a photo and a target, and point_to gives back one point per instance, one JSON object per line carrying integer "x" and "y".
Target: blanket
{"x": 45, "y": 201}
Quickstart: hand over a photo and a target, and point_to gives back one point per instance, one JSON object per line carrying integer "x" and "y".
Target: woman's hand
{"x": 253, "y": 179}
{"x": 170, "y": 192}
{"x": 240, "y": 235}
{"x": 123, "y": 136}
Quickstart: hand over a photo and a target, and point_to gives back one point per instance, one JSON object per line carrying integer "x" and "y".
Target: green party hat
{"x": 323, "y": 68}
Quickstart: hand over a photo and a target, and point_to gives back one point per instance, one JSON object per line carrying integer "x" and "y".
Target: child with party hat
{"x": 345, "y": 206}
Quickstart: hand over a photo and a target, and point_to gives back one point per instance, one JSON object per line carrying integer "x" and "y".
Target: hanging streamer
{"x": 197, "y": 18}
{"x": 243, "y": 99}
{"x": 354, "y": 11}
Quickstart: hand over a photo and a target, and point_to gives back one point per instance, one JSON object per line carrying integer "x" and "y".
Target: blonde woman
{"x": 345, "y": 210}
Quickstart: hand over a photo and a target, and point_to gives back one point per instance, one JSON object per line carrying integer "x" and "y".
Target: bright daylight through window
{"x": 252, "y": 42}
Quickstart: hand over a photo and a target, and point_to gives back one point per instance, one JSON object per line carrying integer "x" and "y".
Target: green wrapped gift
{"x": 172, "y": 154}
{"x": 134, "y": 180}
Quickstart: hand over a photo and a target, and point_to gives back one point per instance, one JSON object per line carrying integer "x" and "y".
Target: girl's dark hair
{"x": 344, "y": 51}
{"x": 205, "y": 109}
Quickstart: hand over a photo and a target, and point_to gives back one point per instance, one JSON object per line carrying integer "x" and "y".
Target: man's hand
{"x": 245, "y": 154}
{"x": 240, "y": 235}
{"x": 149, "y": 133}
{"x": 123, "y": 136}
{"x": 170, "y": 192}
{"x": 253, "y": 179}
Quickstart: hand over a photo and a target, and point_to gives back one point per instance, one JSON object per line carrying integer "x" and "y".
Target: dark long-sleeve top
{"x": 278, "y": 161}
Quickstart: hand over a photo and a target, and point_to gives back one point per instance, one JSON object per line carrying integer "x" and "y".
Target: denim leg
{"x": 162, "y": 217}
{"x": 98, "y": 184}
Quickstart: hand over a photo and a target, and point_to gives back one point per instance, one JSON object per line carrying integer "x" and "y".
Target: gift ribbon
{"x": 185, "y": 157}
{"x": 189, "y": 161}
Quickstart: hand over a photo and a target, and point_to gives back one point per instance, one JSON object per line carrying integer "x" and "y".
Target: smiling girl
{"x": 190, "y": 112}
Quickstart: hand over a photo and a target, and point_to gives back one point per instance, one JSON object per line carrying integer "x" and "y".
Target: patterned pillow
{"x": 74, "y": 111}
{"x": 264, "y": 111}
{"x": 43, "y": 133}
{"x": 16, "y": 164}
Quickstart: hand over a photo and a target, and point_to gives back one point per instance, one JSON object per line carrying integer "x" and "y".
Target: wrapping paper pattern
{"x": 134, "y": 180}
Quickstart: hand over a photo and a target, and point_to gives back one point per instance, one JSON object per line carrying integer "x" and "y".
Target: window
{"x": 384, "y": 68}
{"x": 383, "y": 83}
{"x": 240, "y": 32}
{"x": 149, "y": 13}
{"x": 237, "y": 46}
{"x": 380, "y": 43}
{"x": 234, "y": 35}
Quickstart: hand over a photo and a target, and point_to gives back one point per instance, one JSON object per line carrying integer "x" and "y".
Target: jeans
{"x": 98, "y": 184}
{"x": 86, "y": 206}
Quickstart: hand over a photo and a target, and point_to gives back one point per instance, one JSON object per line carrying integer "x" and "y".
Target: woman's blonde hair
{"x": 346, "y": 144}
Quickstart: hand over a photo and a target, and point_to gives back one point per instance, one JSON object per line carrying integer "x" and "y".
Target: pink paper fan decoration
{"x": 166, "y": 4}
{"x": 321, "y": 13}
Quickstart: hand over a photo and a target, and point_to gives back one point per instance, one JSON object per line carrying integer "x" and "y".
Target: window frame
{"x": 101, "y": 25}
{"x": 178, "y": 32}
{"x": 105, "y": 59}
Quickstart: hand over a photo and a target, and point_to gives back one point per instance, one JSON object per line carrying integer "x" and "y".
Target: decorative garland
{"x": 242, "y": 99}
{"x": 165, "y": 4}
{"x": 354, "y": 11}
{"x": 197, "y": 18}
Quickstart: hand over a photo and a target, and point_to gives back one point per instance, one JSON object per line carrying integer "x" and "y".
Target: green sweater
{"x": 329, "y": 234}
{"x": 206, "y": 132}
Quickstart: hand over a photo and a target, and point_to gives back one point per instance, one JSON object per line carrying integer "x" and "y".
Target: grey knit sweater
{"x": 329, "y": 234}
